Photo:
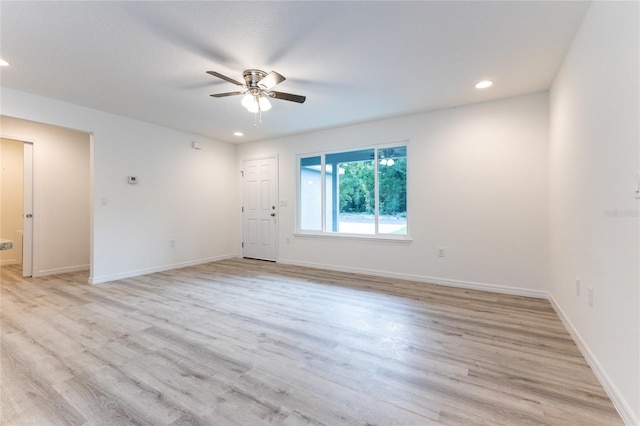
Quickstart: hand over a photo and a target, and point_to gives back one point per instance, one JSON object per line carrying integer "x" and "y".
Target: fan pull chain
{"x": 255, "y": 118}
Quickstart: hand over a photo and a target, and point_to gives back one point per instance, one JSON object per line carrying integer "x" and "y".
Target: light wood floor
{"x": 244, "y": 342}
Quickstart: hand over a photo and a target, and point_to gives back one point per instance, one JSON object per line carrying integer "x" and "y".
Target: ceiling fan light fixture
{"x": 264, "y": 103}
{"x": 254, "y": 107}
{"x": 256, "y": 102}
{"x": 248, "y": 101}
{"x": 256, "y": 89}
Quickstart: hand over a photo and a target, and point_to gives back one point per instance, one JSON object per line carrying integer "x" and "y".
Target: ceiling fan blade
{"x": 288, "y": 97}
{"x": 222, "y": 95}
{"x": 270, "y": 80}
{"x": 224, "y": 77}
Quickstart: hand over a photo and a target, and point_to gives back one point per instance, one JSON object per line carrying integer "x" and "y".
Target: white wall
{"x": 594, "y": 220}
{"x": 61, "y": 195}
{"x": 183, "y": 194}
{"x": 477, "y": 186}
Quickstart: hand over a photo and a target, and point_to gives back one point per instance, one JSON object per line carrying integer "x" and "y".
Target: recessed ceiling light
{"x": 3, "y": 63}
{"x": 484, "y": 84}
{"x": 238, "y": 134}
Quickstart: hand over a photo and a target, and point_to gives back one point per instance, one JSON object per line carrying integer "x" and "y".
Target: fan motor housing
{"x": 252, "y": 77}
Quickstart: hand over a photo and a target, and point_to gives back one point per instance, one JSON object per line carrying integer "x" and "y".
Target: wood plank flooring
{"x": 245, "y": 342}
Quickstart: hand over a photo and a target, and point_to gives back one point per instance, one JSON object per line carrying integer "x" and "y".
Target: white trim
{"x": 28, "y": 188}
{"x": 493, "y": 288}
{"x": 609, "y": 386}
{"x": 394, "y": 238}
{"x": 323, "y": 185}
{"x": 138, "y": 272}
{"x": 92, "y": 200}
{"x": 18, "y": 138}
{"x": 56, "y": 271}
{"x": 349, "y": 148}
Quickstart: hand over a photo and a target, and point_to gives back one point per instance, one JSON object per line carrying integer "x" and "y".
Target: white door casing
{"x": 260, "y": 215}
{"x": 27, "y": 227}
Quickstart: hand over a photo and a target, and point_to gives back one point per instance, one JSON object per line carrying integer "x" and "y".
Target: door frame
{"x": 27, "y": 211}
{"x": 27, "y": 200}
{"x": 276, "y": 237}
{"x": 35, "y": 222}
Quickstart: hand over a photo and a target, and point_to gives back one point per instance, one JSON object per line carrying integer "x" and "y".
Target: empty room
{"x": 320, "y": 213}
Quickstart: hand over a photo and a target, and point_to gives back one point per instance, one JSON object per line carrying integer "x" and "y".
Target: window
{"x": 354, "y": 192}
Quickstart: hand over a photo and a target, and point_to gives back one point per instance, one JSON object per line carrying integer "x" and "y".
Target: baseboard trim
{"x": 65, "y": 270}
{"x": 610, "y": 388}
{"x": 136, "y": 273}
{"x": 493, "y": 288}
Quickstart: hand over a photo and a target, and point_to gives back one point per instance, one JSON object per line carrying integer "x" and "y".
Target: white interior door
{"x": 260, "y": 213}
{"x": 27, "y": 227}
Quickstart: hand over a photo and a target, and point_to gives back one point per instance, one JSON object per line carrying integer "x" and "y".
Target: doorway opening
{"x": 16, "y": 202}
{"x": 54, "y": 224}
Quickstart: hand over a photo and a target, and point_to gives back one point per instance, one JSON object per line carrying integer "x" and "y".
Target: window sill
{"x": 400, "y": 239}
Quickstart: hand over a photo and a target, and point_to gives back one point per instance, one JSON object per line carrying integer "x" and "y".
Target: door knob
{"x": 273, "y": 214}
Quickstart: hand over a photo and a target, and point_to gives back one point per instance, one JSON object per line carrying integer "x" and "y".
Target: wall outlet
{"x": 172, "y": 243}
{"x": 577, "y": 286}
{"x": 590, "y": 296}
{"x": 441, "y": 252}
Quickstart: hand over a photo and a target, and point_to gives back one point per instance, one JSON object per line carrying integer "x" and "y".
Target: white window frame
{"x": 330, "y": 234}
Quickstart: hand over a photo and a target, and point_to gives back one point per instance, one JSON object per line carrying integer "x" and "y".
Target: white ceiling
{"x": 355, "y": 61}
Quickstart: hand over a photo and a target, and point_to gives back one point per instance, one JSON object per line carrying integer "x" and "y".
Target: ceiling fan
{"x": 257, "y": 89}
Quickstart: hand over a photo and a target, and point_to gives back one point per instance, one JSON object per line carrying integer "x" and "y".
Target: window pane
{"x": 352, "y": 201}
{"x": 392, "y": 187}
{"x": 310, "y": 194}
